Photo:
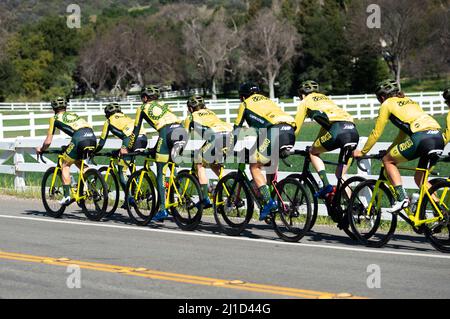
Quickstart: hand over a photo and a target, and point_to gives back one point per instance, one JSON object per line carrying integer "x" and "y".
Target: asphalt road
{"x": 115, "y": 259}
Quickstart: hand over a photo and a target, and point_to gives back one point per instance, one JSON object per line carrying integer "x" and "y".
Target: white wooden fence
{"x": 29, "y": 124}
{"x": 15, "y": 150}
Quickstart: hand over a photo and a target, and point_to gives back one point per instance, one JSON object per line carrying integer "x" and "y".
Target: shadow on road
{"x": 404, "y": 242}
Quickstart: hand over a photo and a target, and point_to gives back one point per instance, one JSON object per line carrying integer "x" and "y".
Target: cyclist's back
{"x": 411, "y": 120}
{"x": 261, "y": 112}
{"x": 204, "y": 120}
{"x": 321, "y": 109}
{"x": 78, "y": 129}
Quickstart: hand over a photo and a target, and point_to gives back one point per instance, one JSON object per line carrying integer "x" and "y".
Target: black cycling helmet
{"x": 308, "y": 87}
{"x": 152, "y": 92}
{"x": 59, "y": 104}
{"x": 112, "y": 109}
{"x": 196, "y": 103}
{"x": 446, "y": 95}
{"x": 248, "y": 89}
{"x": 387, "y": 88}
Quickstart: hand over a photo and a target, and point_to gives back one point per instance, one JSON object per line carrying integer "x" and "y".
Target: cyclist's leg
{"x": 429, "y": 142}
{"x": 70, "y": 156}
{"x": 318, "y": 148}
{"x": 400, "y": 153}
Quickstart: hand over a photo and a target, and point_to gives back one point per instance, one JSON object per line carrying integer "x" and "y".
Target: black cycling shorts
{"x": 339, "y": 134}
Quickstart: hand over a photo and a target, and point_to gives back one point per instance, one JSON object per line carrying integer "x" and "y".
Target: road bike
{"x": 235, "y": 197}
{"x": 90, "y": 191}
{"x": 374, "y": 223}
{"x": 336, "y": 203}
{"x": 183, "y": 194}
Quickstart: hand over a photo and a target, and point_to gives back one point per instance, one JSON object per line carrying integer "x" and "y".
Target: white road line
{"x": 223, "y": 237}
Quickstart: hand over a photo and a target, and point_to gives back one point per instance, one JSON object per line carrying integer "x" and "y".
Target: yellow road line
{"x": 180, "y": 278}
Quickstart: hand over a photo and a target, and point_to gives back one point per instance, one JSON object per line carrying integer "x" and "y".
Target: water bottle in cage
{"x": 413, "y": 204}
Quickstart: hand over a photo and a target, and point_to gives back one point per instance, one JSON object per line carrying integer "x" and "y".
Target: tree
{"x": 326, "y": 55}
{"x": 406, "y": 29}
{"x": 269, "y": 45}
{"x": 209, "y": 40}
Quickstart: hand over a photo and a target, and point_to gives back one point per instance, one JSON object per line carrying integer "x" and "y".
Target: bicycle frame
{"x": 75, "y": 194}
{"x": 413, "y": 218}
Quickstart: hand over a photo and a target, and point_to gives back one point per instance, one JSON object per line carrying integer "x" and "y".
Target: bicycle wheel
{"x": 292, "y": 219}
{"x": 141, "y": 197}
{"x": 341, "y": 203}
{"x": 113, "y": 190}
{"x": 95, "y": 193}
{"x": 52, "y": 194}
{"x": 437, "y": 233}
{"x": 311, "y": 189}
{"x": 372, "y": 228}
{"x": 189, "y": 198}
{"x": 233, "y": 204}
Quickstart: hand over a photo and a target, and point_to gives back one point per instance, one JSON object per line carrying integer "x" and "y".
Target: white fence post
{"x": 32, "y": 125}
{"x": 1, "y": 127}
{"x": 19, "y": 158}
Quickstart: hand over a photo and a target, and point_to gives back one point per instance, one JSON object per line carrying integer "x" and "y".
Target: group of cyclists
{"x": 276, "y": 131}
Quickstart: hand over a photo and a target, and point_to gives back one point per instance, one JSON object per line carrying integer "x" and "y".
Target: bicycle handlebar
{"x": 378, "y": 156}
{"x": 40, "y": 156}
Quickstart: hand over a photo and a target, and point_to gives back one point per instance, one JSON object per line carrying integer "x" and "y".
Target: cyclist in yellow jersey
{"x": 82, "y": 138}
{"x": 446, "y": 96}
{"x": 218, "y": 137}
{"x": 122, "y": 127}
{"x": 419, "y": 134}
{"x": 276, "y": 131}
{"x": 337, "y": 128}
{"x": 168, "y": 125}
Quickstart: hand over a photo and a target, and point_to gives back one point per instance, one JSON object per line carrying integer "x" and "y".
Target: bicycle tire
{"x": 149, "y": 195}
{"x": 183, "y": 217}
{"x": 99, "y": 195}
{"x": 442, "y": 229}
{"x": 310, "y": 186}
{"x": 338, "y": 205}
{"x": 224, "y": 206}
{"x": 48, "y": 176}
{"x": 291, "y": 204}
{"x": 113, "y": 186}
{"x": 374, "y": 236}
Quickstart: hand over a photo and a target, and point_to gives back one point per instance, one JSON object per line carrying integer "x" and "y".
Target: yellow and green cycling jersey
{"x": 67, "y": 122}
{"x": 203, "y": 120}
{"x": 120, "y": 126}
{"x": 447, "y": 132}
{"x": 404, "y": 113}
{"x": 261, "y": 112}
{"x": 155, "y": 113}
{"x": 321, "y": 109}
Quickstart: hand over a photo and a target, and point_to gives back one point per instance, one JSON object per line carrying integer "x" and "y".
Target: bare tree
{"x": 406, "y": 29}
{"x": 210, "y": 41}
{"x": 270, "y": 43}
{"x": 128, "y": 53}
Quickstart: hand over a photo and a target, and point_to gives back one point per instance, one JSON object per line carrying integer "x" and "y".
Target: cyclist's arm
{"x": 382, "y": 120}
{"x": 103, "y": 137}
{"x": 137, "y": 128}
{"x": 240, "y": 117}
{"x": 300, "y": 118}
{"x": 49, "y": 138}
{"x": 447, "y": 132}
